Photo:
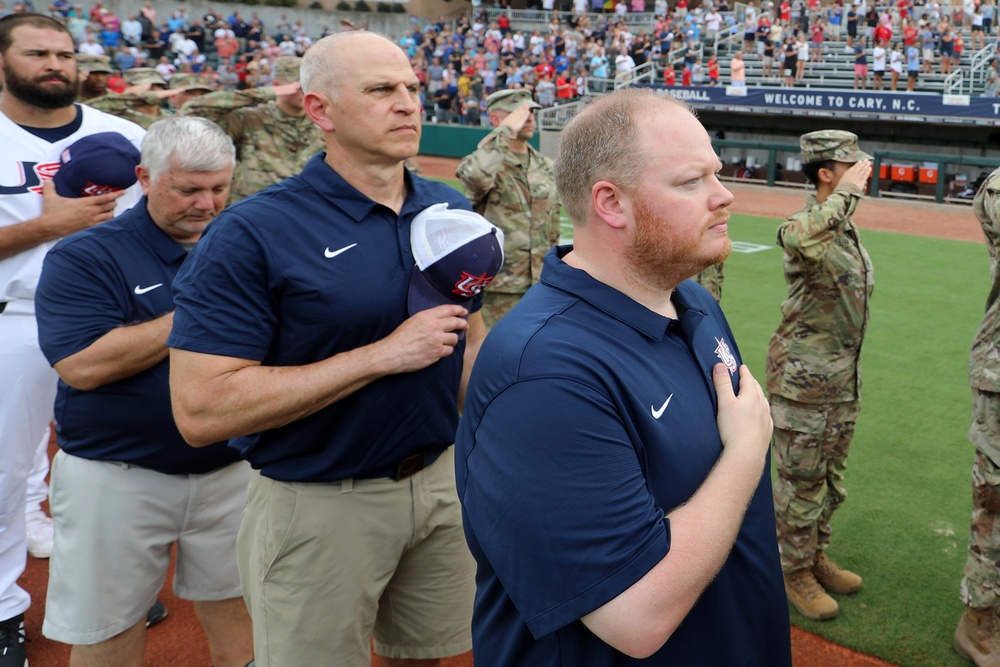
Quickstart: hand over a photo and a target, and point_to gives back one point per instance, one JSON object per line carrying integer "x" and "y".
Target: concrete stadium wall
{"x": 454, "y": 140}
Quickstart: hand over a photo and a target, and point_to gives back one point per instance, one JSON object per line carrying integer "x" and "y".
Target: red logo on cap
{"x": 93, "y": 189}
{"x": 469, "y": 285}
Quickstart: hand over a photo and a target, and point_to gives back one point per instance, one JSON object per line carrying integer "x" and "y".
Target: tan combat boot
{"x": 977, "y": 637}
{"x": 832, "y": 578}
{"x": 809, "y": 597}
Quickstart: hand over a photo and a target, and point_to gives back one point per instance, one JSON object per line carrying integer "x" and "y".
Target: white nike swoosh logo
{"x": 333, "y": 253}
{"x": 659, "y": 413}
{"x": 143, "y": 290}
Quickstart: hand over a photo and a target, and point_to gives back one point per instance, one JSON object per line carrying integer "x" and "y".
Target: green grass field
{"x": 904, "y": 527}
{"x": 905, "y": 524}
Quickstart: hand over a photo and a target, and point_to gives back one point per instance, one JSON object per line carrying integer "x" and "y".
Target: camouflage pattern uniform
{"x": 128, "y": 105}
{"x": 125, "y": 106}
{"x": 813, "y": 364}
{"x": 711, "y": 278}
{"x": 517, "y": 193}
{"x": 270, "y": 145}
{"x": 980, "y": 588}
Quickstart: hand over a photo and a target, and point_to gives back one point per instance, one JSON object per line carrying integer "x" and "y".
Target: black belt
{"x": 408, "y": 467}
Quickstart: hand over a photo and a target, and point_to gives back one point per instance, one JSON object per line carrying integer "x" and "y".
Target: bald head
{"x": 327, "y": 59}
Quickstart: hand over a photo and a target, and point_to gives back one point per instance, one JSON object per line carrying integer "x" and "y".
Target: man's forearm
{"x": 702, "y": 533}
{"x": 214, "y": 400}
{"x": 15, "y": 239}
{"x": 118, "y": 354}
{"x": 217, "y": 398}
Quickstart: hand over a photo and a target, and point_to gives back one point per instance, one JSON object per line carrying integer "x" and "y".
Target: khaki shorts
{"x": 115, "y": 525}
{"x": 326, "y": 565}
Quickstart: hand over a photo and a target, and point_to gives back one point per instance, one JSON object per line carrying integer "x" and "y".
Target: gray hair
{"x": 318, "y": 73}
{"x": 601, "y": 143}
{"x": 194, "y": 144}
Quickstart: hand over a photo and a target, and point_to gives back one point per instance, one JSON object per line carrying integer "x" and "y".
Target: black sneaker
{"x": 12, "y": 653}
{"x": 156, "y": 613}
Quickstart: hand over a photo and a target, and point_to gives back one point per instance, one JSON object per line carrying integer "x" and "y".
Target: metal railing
{"x": 555, "y": 118}
{"x": 954, "y": 83}
{"x": 676, "y": 56}
{"x": 644, "y": 73}
{"x": 979, "y": 69}
{"x": 541, "y": 17}
{"x": 731, "y": 42}
{"x": 597, "y": 85}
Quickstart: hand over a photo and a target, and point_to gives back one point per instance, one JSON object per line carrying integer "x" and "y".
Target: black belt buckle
{"x": 409, "y": 466}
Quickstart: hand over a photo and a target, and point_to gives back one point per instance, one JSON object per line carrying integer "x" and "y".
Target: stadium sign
{"x": 903, "y": 106}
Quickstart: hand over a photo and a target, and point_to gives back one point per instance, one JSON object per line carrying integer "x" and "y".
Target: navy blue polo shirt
{"x": 114, "y": 275}
{"x": 588, "y": 418}
{"x": 300, "y": 272}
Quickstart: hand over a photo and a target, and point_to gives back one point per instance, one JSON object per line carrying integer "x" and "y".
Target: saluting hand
{"x": 517, "y": 118}
{"x": 858, "y": 174}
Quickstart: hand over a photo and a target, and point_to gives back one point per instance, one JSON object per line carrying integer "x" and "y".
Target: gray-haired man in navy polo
{"x": 125, "y": 487}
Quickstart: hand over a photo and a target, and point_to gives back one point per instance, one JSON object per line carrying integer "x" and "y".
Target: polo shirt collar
{"x": 168, "y": 249}
{"x": 560, "y": 275}
{"x": 338, "y": 192}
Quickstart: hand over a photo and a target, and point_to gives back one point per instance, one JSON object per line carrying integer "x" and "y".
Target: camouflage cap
{"x": 96, "y": 64}
{"x": 508, "y": 100}
{"x": 286, "y": 69}
{"x": 836, "y": 145}
{"x": 189, "y": 82}
{"x": 138, "y": 75}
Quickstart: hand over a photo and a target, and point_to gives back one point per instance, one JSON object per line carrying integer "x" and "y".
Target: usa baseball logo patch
{"x": 469, "y": 285}
{"x": 725, "y": 355}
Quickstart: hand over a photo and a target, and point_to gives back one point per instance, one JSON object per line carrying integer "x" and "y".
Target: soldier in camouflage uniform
{"x": 711, "y": 278}
{"x": 94, "y": 73}
{"x": 813, "y": 367}
{"x": 188, "y": 87}
{"x": 274, "y": 137}
{"x": 142, "y": 108}
{"x": 977, "y": 637}
{"x": 511, "y": 184}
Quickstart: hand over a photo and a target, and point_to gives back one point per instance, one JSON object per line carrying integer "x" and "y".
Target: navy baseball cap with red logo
{"x": 95, "y": 165}
{"x": 457, "y": 252}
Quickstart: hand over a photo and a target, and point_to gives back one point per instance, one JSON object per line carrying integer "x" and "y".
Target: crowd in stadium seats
{"x": 585, "y": 45}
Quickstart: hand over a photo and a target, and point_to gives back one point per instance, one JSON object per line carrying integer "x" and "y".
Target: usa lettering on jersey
{"x": 29, "y": 177}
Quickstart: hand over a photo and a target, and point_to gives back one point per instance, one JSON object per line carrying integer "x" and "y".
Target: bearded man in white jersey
{"x": 38, "y": 121}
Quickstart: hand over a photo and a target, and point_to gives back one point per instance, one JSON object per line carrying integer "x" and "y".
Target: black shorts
{"x": 910, "y": 74}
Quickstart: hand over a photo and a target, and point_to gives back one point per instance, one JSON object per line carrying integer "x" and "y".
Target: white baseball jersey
{"x": 26, "y": 162}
